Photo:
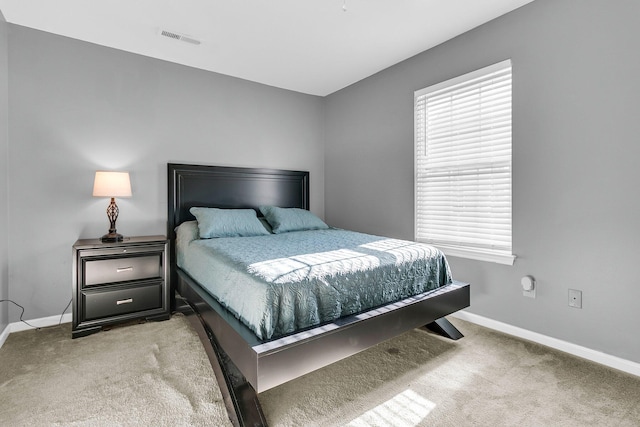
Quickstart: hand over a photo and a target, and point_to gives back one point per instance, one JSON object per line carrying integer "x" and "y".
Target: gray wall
{"x": 76, "y": 107}
{"x": 575, "y": 153}
{"x": 4, "y": 144}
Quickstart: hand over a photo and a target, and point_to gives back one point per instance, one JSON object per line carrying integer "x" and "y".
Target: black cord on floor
{"x": 65, "y": 309}
{"x": 21, "y": 314}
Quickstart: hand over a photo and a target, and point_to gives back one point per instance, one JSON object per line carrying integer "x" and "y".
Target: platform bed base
{"x": 250, "y": 366}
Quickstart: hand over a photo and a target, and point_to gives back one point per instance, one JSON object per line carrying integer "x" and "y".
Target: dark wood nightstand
{"x": 119, "y": 281}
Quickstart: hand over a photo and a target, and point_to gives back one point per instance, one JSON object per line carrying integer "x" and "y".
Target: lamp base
{"x": 112, "y": 237}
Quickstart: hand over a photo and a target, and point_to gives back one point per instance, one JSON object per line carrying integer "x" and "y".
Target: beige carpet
{"x": 484, "y": 379}
{"x": 135, "y": 375}
{"x": 130, "y": 375}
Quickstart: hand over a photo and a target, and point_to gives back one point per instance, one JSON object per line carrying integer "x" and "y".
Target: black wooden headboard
{"x": 228, "y": 187}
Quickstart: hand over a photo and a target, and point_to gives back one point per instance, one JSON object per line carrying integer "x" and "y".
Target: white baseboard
{"x": 615, "y": 362}
{"x": 4, "y": 334}
{"x": 43, "y": 322}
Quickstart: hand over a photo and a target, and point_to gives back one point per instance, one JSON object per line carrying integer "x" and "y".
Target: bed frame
{"x": 249, "y": 364}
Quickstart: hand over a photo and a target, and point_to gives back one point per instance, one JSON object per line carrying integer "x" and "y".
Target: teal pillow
{"x": 214, "y": 222}
{"x": 283, "y": 220}
{"x": 266, "y": 224}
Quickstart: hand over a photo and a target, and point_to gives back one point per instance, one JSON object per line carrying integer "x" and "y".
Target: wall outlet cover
{"x": 575, "y": 298}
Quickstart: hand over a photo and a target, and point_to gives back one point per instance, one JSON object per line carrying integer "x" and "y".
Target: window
{"x": 463, "y": 165}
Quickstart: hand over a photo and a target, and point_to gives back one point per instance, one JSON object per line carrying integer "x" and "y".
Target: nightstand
{"x": 119, "y": 281}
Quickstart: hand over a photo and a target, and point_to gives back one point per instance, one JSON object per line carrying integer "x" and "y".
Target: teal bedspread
{"x": 281, "y": 283}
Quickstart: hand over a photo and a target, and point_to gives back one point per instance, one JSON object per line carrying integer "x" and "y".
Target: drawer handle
{"x": 124, "y": 301}
{"x": 123, "y": 269}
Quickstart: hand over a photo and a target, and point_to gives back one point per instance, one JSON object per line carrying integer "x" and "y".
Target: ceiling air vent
{"x": 178, "y": 36}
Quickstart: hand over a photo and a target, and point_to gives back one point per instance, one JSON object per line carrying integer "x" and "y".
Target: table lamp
{"x": 112, "y": 184}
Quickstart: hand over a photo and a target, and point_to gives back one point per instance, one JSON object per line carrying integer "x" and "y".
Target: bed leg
{"x": 443, "y": 327}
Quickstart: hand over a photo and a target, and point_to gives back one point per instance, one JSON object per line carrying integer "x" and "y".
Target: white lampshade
{"x": 111, "y": 184}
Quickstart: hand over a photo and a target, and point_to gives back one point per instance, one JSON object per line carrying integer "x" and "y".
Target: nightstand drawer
{"x": 98, "y": 303}
{"x": 98, "y": 271}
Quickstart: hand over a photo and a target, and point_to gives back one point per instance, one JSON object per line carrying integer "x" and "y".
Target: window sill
{"x": 478, "y": 254}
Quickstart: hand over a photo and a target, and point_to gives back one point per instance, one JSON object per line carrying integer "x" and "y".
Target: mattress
{"x": 281, "y": 283}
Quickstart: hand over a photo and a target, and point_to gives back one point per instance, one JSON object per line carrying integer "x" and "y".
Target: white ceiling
{"x": 309, "y": 46}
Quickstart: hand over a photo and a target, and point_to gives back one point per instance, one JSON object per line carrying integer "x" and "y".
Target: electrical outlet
{"x": 575, "y": 298}
{"x": 528, "y": 286}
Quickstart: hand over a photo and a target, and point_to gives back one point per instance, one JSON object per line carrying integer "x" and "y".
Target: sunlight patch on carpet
{"x": 406, "y": 409}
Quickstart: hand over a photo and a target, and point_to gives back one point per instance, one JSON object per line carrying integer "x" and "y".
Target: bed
{"x": 255, "y": 358}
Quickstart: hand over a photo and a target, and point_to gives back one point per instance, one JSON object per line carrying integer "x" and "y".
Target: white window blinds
{"x": 463, "y": 164}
